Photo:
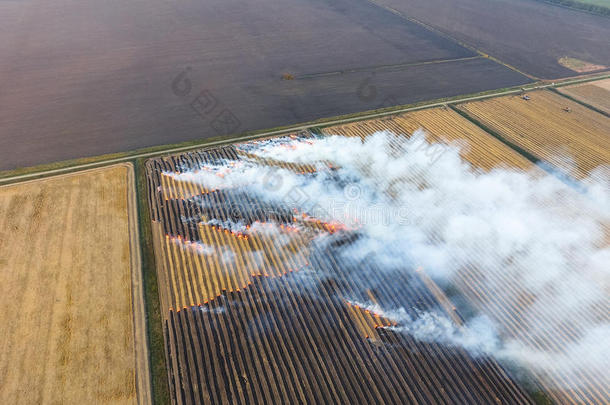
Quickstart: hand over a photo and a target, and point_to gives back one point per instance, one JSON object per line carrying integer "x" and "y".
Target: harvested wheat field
{"x": 72, "y": 316}
{"x": 558, "y": 131}
{"x": 596, "y": 94}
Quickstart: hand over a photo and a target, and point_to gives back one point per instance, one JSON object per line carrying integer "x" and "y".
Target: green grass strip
{"x": 154, "y": 323}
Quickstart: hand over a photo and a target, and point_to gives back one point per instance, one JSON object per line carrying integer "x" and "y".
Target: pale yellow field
{"x": 595, "y": 93}
{"x": 575, "y": 141}
{"x": 445, "y": 125}
{"x": 68, "y": 251}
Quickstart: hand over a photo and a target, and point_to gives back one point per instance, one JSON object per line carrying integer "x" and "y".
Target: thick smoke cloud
{"x": 527, "y": 234}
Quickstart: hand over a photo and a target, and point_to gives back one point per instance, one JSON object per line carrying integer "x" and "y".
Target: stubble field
{"x": 565, "y": 134}
{"x": 72, "y": 326}
{"x": 596, "y": 94}
{"x": 87, "y": 78}
{"x": 256, "y": 310}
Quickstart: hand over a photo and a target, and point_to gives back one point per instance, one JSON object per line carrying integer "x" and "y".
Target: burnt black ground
{"x": 528, "y": 34}
{"x": 84, "y": 77}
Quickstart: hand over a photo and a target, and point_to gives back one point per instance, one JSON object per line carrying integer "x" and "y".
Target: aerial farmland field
{"x": 555, "y": 129}
{"x": 596, "y": 94}
{"x": 96, "y": 77}
{"x": 72, "y": 316}
{"x": 259, "y": 306}
{"x": 446, "y": 126}
{"x": 527, "y": 34}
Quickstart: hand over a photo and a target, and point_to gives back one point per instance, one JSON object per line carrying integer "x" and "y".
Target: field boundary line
{"x": 397, "y": 66}
{"x": 540, "y": 162}
{"x": 529, "y": 156}
{"x": 299, "y": 127}
{"x": 581, "y": 102}
{"x": 445, "y": 35}
{"x": 142, "y": 364}
{"x": 67, "y": 173}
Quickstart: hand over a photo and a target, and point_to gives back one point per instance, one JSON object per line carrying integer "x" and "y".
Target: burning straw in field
{"x": 525, "y": 251}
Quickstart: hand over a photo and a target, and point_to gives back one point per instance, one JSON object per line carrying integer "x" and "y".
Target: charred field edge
{"x": 172, "y": 222}
{"x": 452, "y": 38}
{"x": 541, "y": 163}
{"x": 153, "y": 314}
{"x": 154, "y": 331}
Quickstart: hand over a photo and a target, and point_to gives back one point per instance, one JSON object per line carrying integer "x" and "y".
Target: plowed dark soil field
{"x": 83, "y": 78}
{"x": 530, "y": 35}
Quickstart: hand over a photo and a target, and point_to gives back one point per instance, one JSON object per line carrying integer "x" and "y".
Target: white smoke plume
{"x": 197, "y": 247}
{"x": 478, "y": 337}
{"x": 526, "y": 234}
